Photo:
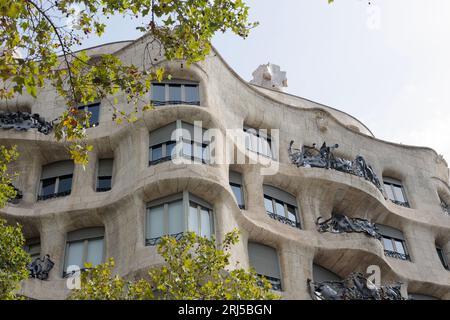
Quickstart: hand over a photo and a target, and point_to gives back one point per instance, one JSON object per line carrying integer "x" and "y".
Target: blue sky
{"x": 386, "y": 63}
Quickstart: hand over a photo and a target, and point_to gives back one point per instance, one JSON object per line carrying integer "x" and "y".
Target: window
{"x": 264, "y": 260}
{"x": 83, "y": 246}
{"x": 171, "y": 93}
{"x": 33, "y": 248}
{"x": 176, "y": 214}
{"x": 393, "y": 242}
{"x": 56, "y": 180}
{"x": 192, "y": 145}
{"x": 258, "y": 142}
{"x": 236, "y": 186}
{"x": 445, "y": 207}
{"x": 281, "y": 206}
{"x": 442, "y": 257}
{"x": 104, "y": 175}
{"x": 94, "y": 109}
{"x": 395, "y": 192}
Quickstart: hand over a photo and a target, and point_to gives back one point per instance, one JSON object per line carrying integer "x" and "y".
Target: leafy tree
{"x": 13, "y": 260}
{"x": 37, "y": 48}
{"x": 195, "y": 268}
{"x": 7, "y": 191}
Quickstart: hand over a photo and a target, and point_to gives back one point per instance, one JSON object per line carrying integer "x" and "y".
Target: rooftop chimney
{"x": 269, "y": 76}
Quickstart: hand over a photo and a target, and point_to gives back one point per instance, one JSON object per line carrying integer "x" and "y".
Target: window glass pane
{"x": 187, "y": 149}
{"x": 193, "y": 218}
{"x": 264, "y": 147}
{"x": 191, "y": 93}
{"x": 387, "y": 243}
{"x": 170, "y": 149}
{"x": 279, "y": 206}
{"x": 48, "y": 186}
{"x": 205, "y": 223}
{"x": 34, "y": 250}
{"x": 155, "y": 222}
{"x": 175, "y": 92}
{"x": 399, "y": 247}
{"x": 104, "y": 183}
{"x": 442, "y": 257}
{"x": 75, "y": 254}
{"x": 389, "y": 192}
{"x": 398, "y": 193}
{"x": 291, "y": 213}
{"x": 95, "y": 251}
{"x": 206, "y": 153}
{"x": 95, "y": 115}
{"x": 198, "y": 150}
{"x": 268, "y": 204}
{"x": 156, "y": 152}
{"x": 176, "y": 221}
{"x": 237, "y": 190}
{"x": 65, "y": 184}
{"x": 158, "y": 92}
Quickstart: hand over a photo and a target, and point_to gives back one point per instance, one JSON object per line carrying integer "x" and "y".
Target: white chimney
{"x": 269, "y": 76}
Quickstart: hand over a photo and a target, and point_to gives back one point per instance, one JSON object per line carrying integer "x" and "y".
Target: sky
{"x": 386, "y": 62}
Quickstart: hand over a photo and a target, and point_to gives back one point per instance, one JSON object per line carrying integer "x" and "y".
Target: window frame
{"x": 255, "y": 133}
{"x": 186, "y": 199}
{"x": 85, "y": 242}
{"x": 391, "y": 183}
{"x": 176, "y": 82}
{"x": 86, "y": 107}
{"x": 442, "y": 257}
{"x": 395, "y": 253}
{"x": 296, "y": 224}
{"x": 56, "y": 193}
{"x": 99, "y": 177}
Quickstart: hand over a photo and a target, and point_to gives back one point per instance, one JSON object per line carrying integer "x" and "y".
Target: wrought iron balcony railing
{"x": 354, "y": 287}
{"x": 174, "y": 102}
{"x": 445, "y": 208}
{"x": 312, "y": 157}
{"x": 54, "y": 195}
{"x": 23, "y": 121}
{"x": 275, "y": 282}
{"x": 284, "y": 220}
{"x": 155, "y": 241}
{"x": 104, "y": 189}
{"x": 40, "y": 268}
{"x": 340, "y": 223}
{"x": 401, "y": 203}
{"x": 396, "y": 255}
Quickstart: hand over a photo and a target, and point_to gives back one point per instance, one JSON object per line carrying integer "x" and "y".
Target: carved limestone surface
{"x": 355, "y": 287}
{"x": 312, "y": 157}
{"x": 269, "y": 76}
{"x": 23, "y": 121}
{"x": 340, "y": 223}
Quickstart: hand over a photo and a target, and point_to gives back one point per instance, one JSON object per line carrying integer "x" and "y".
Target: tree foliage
{"x": 13, "y": 260}
{"x": 7, "y": 191}
{"x": 37, "y": 47}
{"x": 195, "y": 268}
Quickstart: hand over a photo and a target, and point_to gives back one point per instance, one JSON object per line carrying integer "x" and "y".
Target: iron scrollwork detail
{"x": 312, "y": 157}
{"x": 23, "y": 121}
{"x": 40, "y": 267}
{"x": 445, "y": 207}
{"x": 155, "y": 241}
{"x": 355, "y": 287}
{"x": 339, "y": 223}
{"x": 18, "y": 197}
{"x": 396, "y": 255}
{"x": 284, "y": 220}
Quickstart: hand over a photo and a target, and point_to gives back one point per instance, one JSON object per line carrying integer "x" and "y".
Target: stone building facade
{"x": 387, "y": 210}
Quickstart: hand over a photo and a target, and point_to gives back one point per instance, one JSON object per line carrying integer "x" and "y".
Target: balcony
{"x": 284, "y": 220}
{"x": 155, "y": 241}
{"x": 54, "y": 195}
{"x": 401, "y": 203}
{"x": 396, "y": 255}
{"x": 275, "y": 282}
{"x": 158, "y": 103}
